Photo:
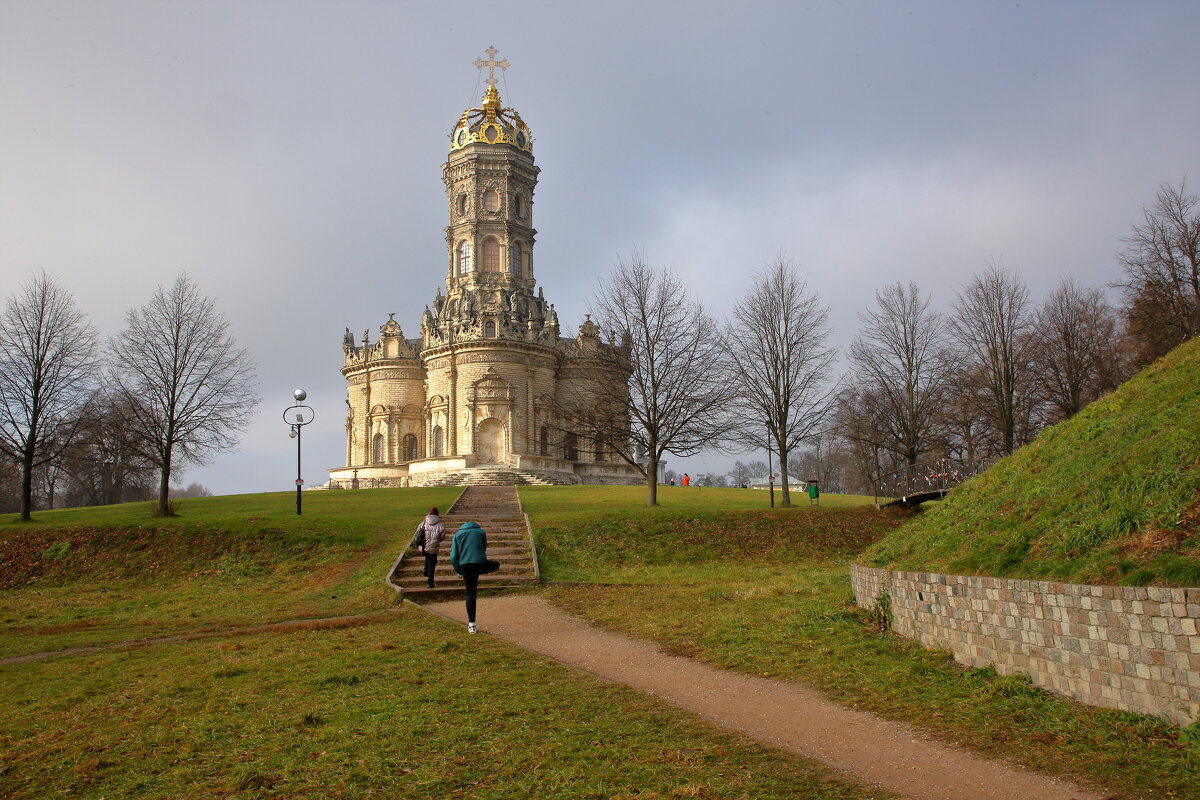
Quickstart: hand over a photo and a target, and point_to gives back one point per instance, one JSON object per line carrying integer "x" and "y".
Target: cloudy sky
{"x": 287, "y": 155}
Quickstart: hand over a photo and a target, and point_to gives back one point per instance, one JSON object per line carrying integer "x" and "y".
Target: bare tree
{"x": 992, "y": 325}
{"x": 1078, "y": 355}
{"x": 780, "y": 363}
{"x": 193, "y": 489}
{"x": 902, "y": 359}
{"x": 189, "y": 387}
{"x": 104, "y": 466}
{"x": 861, "y": 437}
{"x": 657, "y": 384}
{"x": 47, "y": 364}
{"x": 1161, "y": 260}
{"x": 10, "y": 486}
{"x": 741, "y": 474}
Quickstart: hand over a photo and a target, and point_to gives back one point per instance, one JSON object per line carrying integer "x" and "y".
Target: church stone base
{"x": 465, "y": 471}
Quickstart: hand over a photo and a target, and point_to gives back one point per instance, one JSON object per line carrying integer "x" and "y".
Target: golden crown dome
{"x": 491, "y": 124}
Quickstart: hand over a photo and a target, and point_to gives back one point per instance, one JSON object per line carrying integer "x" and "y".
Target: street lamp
{"x": 297, "y": 416}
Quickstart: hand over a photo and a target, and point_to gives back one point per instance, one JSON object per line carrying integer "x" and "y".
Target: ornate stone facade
{"x": 479, "y": 385}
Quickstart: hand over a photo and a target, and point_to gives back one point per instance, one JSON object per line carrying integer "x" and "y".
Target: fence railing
{"x": 926, "y": 476}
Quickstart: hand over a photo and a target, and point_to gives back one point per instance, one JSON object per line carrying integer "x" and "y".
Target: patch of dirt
{"x": 1155, "y": 539}
{"x": 50, "y": 630}
{"x": 311, "y": 624}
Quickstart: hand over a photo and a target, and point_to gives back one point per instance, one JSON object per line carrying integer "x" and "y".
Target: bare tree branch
{"x": 187, "y": 384}
{"x": 1078, "y": 354}
{"x": 1161, "y": 260}
{"x": 657, "y": 384}
{"x": 902, "y": 362}
{"x": 992, "y": 325}
{"x": 779, "y": 362}
{"x": 47, "y": 365}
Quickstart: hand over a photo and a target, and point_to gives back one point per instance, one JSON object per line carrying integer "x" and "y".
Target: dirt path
{"x": 782, "y": 714}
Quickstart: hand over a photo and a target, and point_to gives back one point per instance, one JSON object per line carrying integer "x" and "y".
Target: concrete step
{"x": 440, "y": 593}
{"x": 485, "y": 581}
{"x": 496, "y": 509}
{"x": 523, "y": 561}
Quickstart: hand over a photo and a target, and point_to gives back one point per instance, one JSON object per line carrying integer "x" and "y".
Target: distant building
{"x": 479, "y": 385}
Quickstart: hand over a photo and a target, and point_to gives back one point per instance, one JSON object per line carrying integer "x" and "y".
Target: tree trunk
{"x": 651, "y": 479}
{"x": 27, "y": 484}
{"x": 785, "y": 497}
{"x": 164, "y": 486}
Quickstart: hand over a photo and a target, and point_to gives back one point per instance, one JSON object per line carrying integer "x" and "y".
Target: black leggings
{"x": 470, "y": 575}
{"x": 430, "y": 567}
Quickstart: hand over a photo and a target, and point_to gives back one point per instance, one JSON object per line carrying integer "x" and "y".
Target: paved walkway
{"x": 782, "y": 714}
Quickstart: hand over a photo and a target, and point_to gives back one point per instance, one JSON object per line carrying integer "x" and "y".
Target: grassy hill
{"x": 392, "y": 702}
{"x": 85, "y": 576}
{"x": 1110, "y": 496}
{"x": 396, "y": 702}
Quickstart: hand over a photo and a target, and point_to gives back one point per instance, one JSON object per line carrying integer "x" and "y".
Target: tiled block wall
{"x": 1131, "y": 648}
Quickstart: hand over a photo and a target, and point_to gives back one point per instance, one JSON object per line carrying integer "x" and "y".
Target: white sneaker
{"x": 471, "y": 628}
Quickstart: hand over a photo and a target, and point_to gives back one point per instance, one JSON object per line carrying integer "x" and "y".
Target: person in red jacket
{"x": 687, "y": 481}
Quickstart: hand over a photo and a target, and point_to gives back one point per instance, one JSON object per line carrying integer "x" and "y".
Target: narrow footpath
{"x": 782, "y": 714}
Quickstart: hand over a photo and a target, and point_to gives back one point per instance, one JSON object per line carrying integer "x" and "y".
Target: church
{"x": 475, "y": 398}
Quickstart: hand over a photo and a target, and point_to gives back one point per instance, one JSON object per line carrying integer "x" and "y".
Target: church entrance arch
{"x": 490, "y": 441}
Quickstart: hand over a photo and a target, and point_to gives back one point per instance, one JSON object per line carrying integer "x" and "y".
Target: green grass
{"x": 784, "y": 609}
{"x": 406, "y": 707}
{"x": 1111, "y": 496}
{"x": 88, "y": 576}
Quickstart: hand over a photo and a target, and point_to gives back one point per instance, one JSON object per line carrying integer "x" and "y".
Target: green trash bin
{"x": 814, "y": 490}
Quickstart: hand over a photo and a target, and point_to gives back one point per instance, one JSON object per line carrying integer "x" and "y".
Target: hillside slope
{"x": 1110, "y": 496}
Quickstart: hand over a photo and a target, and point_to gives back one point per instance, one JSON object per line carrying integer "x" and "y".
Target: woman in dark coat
{"x": 435, "y": 531}
{"x": 468, "y": 556}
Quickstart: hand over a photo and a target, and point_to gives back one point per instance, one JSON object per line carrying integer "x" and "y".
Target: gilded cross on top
{"x": 491, "y": 64}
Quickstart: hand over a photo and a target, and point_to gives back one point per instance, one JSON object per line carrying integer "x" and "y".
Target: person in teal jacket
{"x": 468, "y": 556}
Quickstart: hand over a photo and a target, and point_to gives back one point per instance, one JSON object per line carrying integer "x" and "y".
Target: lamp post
{"x": 297, "y": 416}
{"x": 106, "y": 480}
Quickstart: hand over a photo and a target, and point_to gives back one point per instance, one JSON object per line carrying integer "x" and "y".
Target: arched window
{"x": 462, "y": 205}
{"x": 571, "y": 447}
{"x": 514, "y": 252}
{"x": 489, "y": 330}
{"x": 491, "y": 200}
{"x": 544, "y": 441}
{"x": 410, "y": 447}
{"x": 377, "y": 446}
{"x": 518, "y": 205}
{"x": 437, "y": 440}
{"x": 491, "y": 254}
{"x": 464, "y": 257}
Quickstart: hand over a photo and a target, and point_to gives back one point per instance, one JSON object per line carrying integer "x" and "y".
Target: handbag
{"x": 419, "y": 538}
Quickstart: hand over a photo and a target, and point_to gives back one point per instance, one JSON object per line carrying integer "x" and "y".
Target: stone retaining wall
{"x": 1131, "y": 648}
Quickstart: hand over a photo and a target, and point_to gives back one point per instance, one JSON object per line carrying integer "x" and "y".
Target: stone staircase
{"x": 495, "y": 475}
{"x": 497, "y": 509}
